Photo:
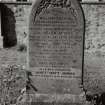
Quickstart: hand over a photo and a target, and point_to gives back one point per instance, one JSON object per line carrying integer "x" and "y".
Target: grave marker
{"x": 56, "y": 32}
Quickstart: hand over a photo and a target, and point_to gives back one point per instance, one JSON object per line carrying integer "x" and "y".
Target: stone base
{"x": 55, "y": 99}
{"x": 54, "y": 103}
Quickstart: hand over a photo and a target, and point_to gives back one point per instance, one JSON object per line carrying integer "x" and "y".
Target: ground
{"x": 94, "y": 66}
{"x": 12, "y": 74}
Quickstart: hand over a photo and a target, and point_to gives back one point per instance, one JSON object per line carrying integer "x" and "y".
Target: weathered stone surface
{"x": 94, "y": 68}
{"x": 56, "y": 31}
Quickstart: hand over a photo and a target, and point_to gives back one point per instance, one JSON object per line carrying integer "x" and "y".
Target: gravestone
{"x": 56, "y": 32}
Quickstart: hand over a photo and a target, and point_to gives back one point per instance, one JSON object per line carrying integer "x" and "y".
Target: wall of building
{"x": 95, "y": 47}
{"x": 21, "y": 14}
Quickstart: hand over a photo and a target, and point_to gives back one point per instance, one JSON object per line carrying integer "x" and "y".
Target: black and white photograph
{"x": 52, "y": 52}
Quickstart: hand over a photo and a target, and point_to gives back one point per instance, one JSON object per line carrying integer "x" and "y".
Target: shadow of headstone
{"x": 8, "y": 27}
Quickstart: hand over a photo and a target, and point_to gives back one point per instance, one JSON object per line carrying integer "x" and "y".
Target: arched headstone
{"x": 56, "y": 32}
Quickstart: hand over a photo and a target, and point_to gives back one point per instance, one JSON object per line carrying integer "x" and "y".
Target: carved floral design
{"x": 44, "y": 4}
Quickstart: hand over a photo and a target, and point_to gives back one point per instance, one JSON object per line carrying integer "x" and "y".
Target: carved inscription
{"x": 56, "y": 42}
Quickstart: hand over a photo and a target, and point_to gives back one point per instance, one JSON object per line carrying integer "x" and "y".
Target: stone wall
{"x": 21, "y": 14}
{"x": 94, "y": 67}
{"x": 95, "y": 23}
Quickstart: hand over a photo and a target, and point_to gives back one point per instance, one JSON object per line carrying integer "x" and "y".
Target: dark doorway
{"x": 8, "y": 27}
